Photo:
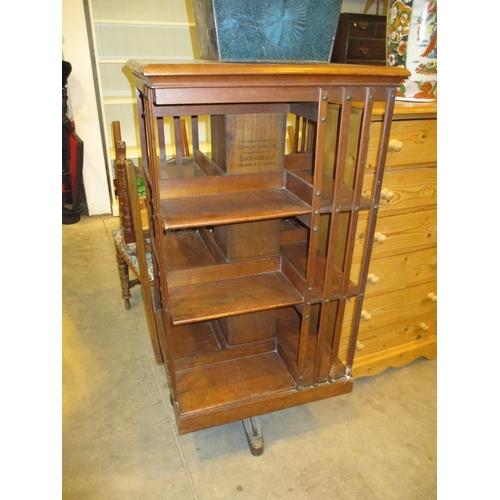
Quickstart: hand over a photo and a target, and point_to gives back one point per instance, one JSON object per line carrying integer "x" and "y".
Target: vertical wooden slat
{"x": 195, "y": 133}
{"x": 386, "y": 128}
{"x": 184, "y": 139}
{"x": 353, "y": 220}
{"x": 291, "y": 139}
{"x": 178, "y": 139}
{"x": 142, "y": 130}
{"x": 333, "y": 234}
{"x": 131, "y": 179}
{"x": 296, "y": 139}
{"x": 117, "y": 136}
{"x": 314, "y": 226}
{"x": 161, "y": 139}
{"x": 122, "y": 192}
{"x": 156, "y": 231}
{"x": 303, "y": 136}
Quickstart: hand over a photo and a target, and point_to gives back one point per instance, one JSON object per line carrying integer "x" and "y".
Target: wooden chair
{"x": 131, "y": 238}
{"x": 132, "y": 244}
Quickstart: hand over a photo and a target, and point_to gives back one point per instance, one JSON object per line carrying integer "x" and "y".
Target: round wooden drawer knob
{"x": 387, "y": 195}
{"x": 395, "y": 145}
{"x": 372, "y": 279}
{"x": 359, "y": 346}
{"x": 424, "y": 327}
{"x": 432, "y": 297}
{"x": 379, "y": 237}
{"x": 366, "y": 316}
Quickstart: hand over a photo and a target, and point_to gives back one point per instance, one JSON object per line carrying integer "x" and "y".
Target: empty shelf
{"x": 230, "y": 207}
{"x": 229, "y": 297}
{"x": 214, "y": 386}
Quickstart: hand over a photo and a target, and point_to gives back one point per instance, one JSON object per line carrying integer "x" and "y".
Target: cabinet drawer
{"x": 398, "y": 234}
{"x": 405, "y": 190}
{"x": 416, "y": 305}
{"x": 361, "y": 28}
{"x": 399, "y": 271}
{"x": 411, "y": 142}
{"x": 405, "y": 332}
{"x": 367, "y": 27}
{"x": 370, "y": 49}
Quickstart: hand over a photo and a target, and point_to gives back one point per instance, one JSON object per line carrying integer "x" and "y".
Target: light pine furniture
{"x": 399, "y": 317}
{"x": 253, "y": 248}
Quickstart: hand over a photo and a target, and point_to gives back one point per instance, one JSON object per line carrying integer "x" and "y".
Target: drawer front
{"x": 398, "y": 234}
{"x": 370, "y": 49}
{"x": 395, "y": 311}
{"x": 411, "y": 143}
{"x": 406, "y": 331}
{"x": 405, "y": 190}
{"x": 363, "y": 28}
{"x": 399, "y": 271}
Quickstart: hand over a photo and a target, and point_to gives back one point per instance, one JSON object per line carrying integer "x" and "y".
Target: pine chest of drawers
{"x": 399, "y": 318}
{"x": 360, "y": 39}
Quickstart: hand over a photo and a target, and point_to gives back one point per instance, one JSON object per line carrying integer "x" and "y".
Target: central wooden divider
{"x": 243, "y": 143}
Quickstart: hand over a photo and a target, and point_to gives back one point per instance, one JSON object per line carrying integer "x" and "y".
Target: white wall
{"x": 83, "y": 103}
{"x": 357, "y": 6}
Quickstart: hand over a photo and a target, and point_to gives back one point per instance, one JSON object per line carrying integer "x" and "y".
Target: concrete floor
{"x": 119, "y": 434}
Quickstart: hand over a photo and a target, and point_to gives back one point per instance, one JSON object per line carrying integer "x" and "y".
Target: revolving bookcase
{"x": 252, "y": 241}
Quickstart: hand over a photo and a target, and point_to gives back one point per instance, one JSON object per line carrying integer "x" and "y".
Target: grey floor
{"x": 119, "y": 434}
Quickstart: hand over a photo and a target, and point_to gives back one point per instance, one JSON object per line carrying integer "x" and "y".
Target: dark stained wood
{"x": 226, "y": 297}
{"x": 212, "y": 185}
{"x": 230, "y": 207}
{"x": 209, "y": 356}
{"x": 251, "y": 308}
{"x": 187, "y": 249}
{"x": 250, "y": 377}
{"x": 263, "y": 403}
{"x": 249, "y": 327}
{"x": 203, "y": 274}
{"x": 143, "y": 274}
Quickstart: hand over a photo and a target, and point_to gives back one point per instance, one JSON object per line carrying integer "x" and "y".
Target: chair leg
{"x": 124, "y": 279}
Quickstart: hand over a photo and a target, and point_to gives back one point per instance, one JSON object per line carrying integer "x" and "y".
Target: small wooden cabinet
{"x": 399, "y": 317}
{"x": 253, "y": 249}
{"x": 360, "y": 39}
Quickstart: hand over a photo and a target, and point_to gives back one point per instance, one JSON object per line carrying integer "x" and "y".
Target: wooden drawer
{"x": 371, "y": 49}
{"x": 411, "y": 143}
{"x": 399, "y": 271}
{"x": 399, "y": 234}
{"x": 362, "y": 28}
{"x": 398, "y": 310}
{"x": 405, "y": 190}
{"x": 405, "y": 332}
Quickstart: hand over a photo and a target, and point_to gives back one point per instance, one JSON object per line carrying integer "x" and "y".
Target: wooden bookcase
{"x": 253, "y": 248}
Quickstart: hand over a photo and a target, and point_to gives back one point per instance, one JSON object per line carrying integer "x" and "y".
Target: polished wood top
{"x": 203, "y": 72}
